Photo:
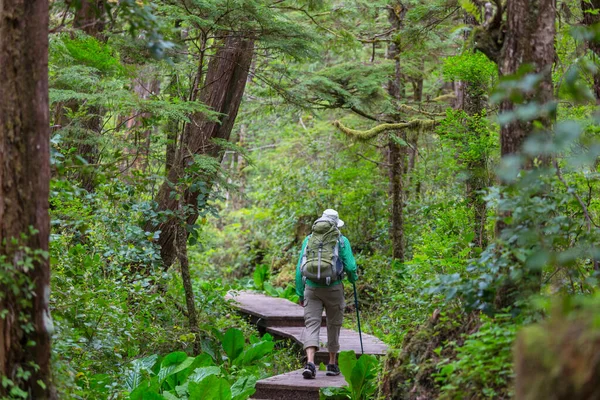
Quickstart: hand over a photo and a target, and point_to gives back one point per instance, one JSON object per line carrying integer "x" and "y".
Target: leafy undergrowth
{"x": 231, "y": 376}
{"x": 482, "y": 366}
{"x": 409, "y": 373}
{"x": 360, "y": 375}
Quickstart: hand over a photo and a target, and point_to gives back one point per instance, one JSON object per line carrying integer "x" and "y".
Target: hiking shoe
{"x": 310, "y": 371}
{"x": 332, "y": 370}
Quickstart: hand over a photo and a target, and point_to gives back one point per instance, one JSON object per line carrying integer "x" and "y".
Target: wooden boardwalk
{"x": 292, "y": 386}
{"x": 284, "y": 319}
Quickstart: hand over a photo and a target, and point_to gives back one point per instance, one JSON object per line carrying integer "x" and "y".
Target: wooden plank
{"x": 268, "y": 311}
{"x": 293, "y": 386}
{"x": 349, "y": 340}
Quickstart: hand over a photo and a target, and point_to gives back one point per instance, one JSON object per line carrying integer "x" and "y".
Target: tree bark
{"x": 172, "y": 129}
{"x": 590, "y": 19}
{"x": 145, "y": 85}
{"x": 225, "y": 82}
{"x": 25, "y": 324}
{"x": 529, "y": 40}
{"x": 396, "y": 13}
{"x": 187, "y": 285}
{"x": 397, "y": 155}
{"x": 89, "y": 17}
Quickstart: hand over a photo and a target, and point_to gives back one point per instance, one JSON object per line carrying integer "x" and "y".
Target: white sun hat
{"x": 334, "y": 216}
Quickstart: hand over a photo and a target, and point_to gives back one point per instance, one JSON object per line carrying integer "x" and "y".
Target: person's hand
{"x": 301, "y": 302}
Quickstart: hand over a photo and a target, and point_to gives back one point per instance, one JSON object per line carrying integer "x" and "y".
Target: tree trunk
{"x": 396, "y": 13}
{"x": 173, "y": 126}
{"x": 475, "y": 184}
{"x": 225, "y": 83}
{"x": 591, "y": 16}
{"x": 145, "y": 85}
{"x": 89, "y": 17}
{"x": 236, "y": 172}
{"x": 529, "y": 40}
{"x": 397, "y": 155}
{"x": 190, "y": 301}
{"x": 172, "y": 129}
{"x": 25, "y": 324}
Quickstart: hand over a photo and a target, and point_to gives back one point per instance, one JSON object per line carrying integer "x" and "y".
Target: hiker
{"x": 325, "y": 256}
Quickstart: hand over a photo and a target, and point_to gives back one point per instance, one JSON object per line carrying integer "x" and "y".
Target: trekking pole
{"x": 358, "y": 318}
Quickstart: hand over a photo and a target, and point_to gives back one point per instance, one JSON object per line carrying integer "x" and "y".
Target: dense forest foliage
{"x": 155, "y": 155}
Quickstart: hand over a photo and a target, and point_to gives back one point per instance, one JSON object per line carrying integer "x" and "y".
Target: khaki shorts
{"x": 315, "y": 300}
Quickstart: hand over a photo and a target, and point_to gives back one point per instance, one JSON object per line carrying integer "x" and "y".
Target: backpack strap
{"x": 304, "y": 253}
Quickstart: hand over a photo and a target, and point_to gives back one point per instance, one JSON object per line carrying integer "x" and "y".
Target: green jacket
{"x": 347, "y": 259}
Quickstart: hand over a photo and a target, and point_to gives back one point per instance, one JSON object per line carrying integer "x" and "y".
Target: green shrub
{"x": 483, "y": 365}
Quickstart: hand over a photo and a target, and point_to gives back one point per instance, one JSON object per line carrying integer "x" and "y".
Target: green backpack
{"x": 320, "y": 260}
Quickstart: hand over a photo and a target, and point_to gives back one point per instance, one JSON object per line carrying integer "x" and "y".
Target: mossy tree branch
{"x": 407, "y": 108}
{"x": 373, "y": 132}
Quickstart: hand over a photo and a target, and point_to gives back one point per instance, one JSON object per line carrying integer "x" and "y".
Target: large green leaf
{"x": 363, "y": 375}
{"x": 170, "y": 365}
{"x": 347, "y": 361}
{"x": 200, "y": 373}
{"x": 233, "y": 343}
{"x": 139, "y": 369}
{"x": 334, "y": 393}
{"x": 271, "y": 290}
{"x": 202, "y": 360}
{"x": 212, "y": 387}
{"x": 153, "y": 396}
{"x": 145, "y": 387}
{"x": 170, "y": 396}
{"x": 243, "y": 388}
{"x": 185, "y": 364}
{"x": 255, "y": 352}
{"x": 177, "y": 357}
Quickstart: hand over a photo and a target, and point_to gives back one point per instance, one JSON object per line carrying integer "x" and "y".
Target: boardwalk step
{"x": 268, "y": 311}
{"x": 349, "y": 340}
{"x": 292, "y": 386}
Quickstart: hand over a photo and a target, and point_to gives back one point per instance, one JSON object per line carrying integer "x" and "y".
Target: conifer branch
{"x": 373, "y": 132}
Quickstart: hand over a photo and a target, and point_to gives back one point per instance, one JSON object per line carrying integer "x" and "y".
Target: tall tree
{"x": 591, "y": 17}
{"x": 222, "y": 92}
{"x": 396, "y": 153}
{"x": 528, "y": 40}
{"x": 25, "y": 324}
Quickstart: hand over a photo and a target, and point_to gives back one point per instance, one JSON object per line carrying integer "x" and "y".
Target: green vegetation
{"x": 193, "y": 144}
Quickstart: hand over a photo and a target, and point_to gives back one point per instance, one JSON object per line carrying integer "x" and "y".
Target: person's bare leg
{"x": 310, "y": 354}
{"x": 332, "y": 358}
